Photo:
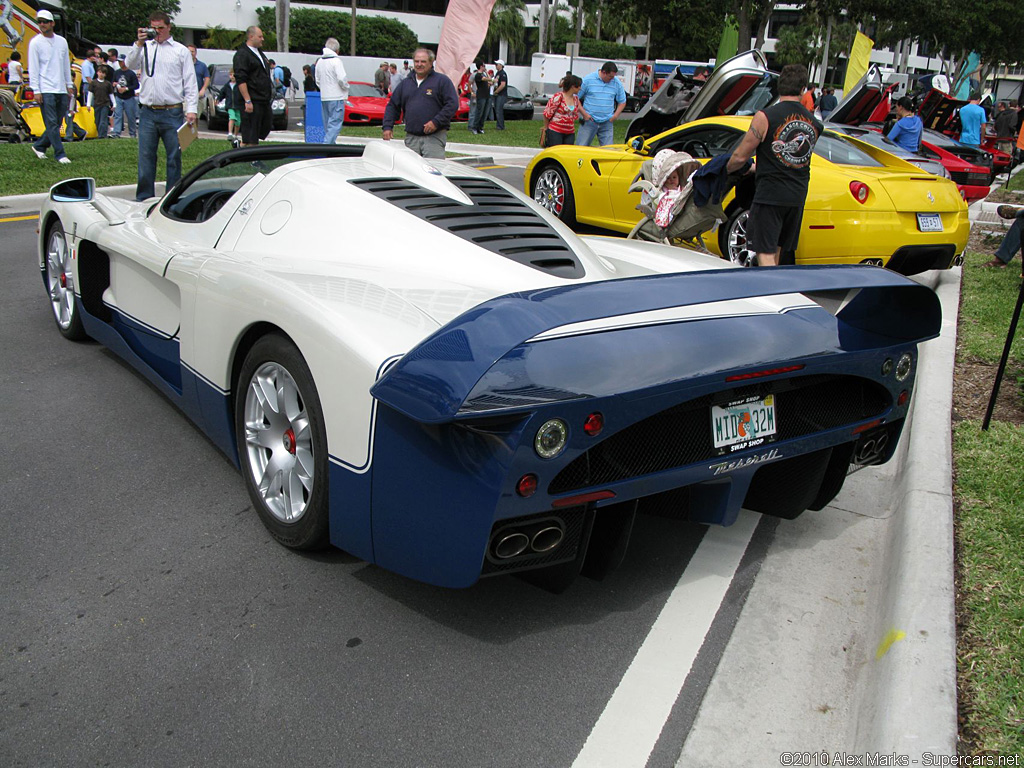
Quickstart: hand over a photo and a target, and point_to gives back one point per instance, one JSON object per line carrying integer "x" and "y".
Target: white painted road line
{"x": 631, "y": 723}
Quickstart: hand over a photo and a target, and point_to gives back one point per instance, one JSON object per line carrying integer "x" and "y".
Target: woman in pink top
{"x": 562, "y": 112}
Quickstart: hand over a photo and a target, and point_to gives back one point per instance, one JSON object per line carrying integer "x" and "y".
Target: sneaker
{"x": 40, "y": 155}
{"x": 65, "y": 160}
{"x": 1005, "y": 211}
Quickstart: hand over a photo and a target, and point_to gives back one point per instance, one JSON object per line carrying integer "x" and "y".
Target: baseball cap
{"x": 121, "y": 57}
{"x": 44, "y": 15}
{"x": 499, "y": 62}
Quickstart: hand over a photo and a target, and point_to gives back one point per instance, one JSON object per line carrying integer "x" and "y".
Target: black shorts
{"x": 773, "y": 226}
{"x": 256, "y": 124}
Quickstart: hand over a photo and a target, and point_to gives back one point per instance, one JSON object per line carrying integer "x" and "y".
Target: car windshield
{"x": 513, "y": 92}
{"x": 220, "y": 76}
{"x": 365, "y": 90}
{"x": 835, "y": 150}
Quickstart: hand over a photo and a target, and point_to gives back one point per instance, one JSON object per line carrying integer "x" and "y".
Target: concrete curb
{"x": 908, "y": 703}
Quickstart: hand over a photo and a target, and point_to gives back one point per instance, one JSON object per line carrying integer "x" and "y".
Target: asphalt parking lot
{"x": 151, "y": 620}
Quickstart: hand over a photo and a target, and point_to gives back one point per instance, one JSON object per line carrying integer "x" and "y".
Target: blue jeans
{"x": 471, "y": 120}
{"x": 126, "y": 110}
{"x": 605, "y": 133}
{"x": 334, "y": 117}
{"x": 102, "y": 114}
{"x": 1011, "y": 241}
{"x": 156, "y": 125}
{"x": 499, "y": 109}
{"x": 482, "y": 102}
{"x": 55, "y": 107}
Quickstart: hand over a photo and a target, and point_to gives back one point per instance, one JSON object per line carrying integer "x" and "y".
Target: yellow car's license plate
{"x": 743, "y": 423}
{"x": 929, "y": 222}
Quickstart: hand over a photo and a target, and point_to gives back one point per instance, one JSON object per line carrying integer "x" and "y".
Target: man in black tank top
{"x": 783, "y": 136}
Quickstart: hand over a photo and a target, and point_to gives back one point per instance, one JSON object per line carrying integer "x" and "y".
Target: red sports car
{"x": 366, "y": 104}
{"x": 940, "y": 112}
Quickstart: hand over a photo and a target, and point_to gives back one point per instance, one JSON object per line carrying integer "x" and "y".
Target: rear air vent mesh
{"x": 497, "y": 221}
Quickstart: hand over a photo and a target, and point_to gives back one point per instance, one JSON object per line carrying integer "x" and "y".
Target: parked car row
{"x": 865, "y": 204}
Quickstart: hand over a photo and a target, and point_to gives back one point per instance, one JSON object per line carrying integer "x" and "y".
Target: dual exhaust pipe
{"x": 870, "y": 448}
{"x": 536, "y": 539}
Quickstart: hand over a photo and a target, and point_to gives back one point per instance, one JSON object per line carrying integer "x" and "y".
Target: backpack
{"x": 286, "y": 81}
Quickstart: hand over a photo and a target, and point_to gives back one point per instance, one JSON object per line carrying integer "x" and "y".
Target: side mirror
{"x": 73, "y": 191}
{"x": 637, "y": 144}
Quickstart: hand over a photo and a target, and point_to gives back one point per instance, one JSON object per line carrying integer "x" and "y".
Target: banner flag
{"x": 463, "y": 32}
{"x": 860, "y": 58}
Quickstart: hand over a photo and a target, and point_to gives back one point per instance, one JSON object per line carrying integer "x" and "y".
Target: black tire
{"x": 282, "y": 443}
{"x": 732, "y": 239}
{"x": 551, "y": 189}
{"x": 61, "y": 290}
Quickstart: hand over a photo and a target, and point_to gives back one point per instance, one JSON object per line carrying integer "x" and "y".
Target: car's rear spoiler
{"x": 431, "y": 383}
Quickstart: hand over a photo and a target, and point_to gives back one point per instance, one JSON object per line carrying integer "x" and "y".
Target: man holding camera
{"x": 169, "y": 98}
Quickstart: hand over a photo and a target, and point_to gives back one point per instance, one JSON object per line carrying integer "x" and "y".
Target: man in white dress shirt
{"x": 168, "y": 99}
{"x": 49, "y": 75}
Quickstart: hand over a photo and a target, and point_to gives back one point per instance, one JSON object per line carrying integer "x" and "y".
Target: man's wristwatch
{"x": 247, "y": 101}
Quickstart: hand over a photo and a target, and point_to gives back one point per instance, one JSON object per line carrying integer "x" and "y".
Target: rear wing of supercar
{"x": 872, "y": 307}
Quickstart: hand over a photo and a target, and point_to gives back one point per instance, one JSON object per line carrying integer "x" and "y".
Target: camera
{"x": 150, "y": 33}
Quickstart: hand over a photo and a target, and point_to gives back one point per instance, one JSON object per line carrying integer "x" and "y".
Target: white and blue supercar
{"x": 414, "y": 362}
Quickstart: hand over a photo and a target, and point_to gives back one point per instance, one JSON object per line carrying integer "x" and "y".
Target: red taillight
{"x": 902, "y": 399}
{"x": 866, "y": 427}
{"x": 759, "y": 374}
{"x": 583, "y": 498}
{"x": 527, "y": 485}
{"x": 594, "y": 424}
{"x": 860, "y": 191}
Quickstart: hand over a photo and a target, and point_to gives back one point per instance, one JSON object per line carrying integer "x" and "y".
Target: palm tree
{"x": 507, "y": 24}
{"x": 223, "y": 39}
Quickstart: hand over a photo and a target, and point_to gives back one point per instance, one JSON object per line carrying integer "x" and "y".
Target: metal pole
{"x": 1006, "y": 354}
{"x": 352, "y": 47}
{"x": 824, "y": 56}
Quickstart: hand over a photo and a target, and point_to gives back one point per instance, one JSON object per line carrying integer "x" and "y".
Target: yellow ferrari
{"x": 864, "y": 205}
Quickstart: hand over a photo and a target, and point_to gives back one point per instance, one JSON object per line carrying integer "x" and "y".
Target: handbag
{"x": 544, "y": 135}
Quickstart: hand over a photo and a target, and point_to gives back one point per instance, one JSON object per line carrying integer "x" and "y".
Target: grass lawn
{"x": 989, "y": 495}
{"x": 114, "y": 162}
{"x": 111, "y": 162}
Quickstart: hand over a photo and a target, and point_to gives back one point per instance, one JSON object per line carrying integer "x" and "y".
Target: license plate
{"x": 929, "y": 222}
{"x": 743, "y": 424}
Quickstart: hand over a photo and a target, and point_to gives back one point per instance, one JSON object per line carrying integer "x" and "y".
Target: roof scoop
{"x": 394, "y": 158}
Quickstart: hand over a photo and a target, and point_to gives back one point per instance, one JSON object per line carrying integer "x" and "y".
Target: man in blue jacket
{"x": 429, "y": 101}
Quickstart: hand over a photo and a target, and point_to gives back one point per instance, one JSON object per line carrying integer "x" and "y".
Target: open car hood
{"x": 867, "y": 101}
{"x": 938, "y": 111}
{"x": 728, "y": 91}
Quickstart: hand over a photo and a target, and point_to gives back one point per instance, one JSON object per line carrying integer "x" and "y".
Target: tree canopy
{"x": 116, "y": 21}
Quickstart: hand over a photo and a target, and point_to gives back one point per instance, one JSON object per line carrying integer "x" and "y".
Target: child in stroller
{"x": 679, "y": 198}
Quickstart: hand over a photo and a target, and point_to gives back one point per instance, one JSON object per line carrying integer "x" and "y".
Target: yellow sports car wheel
{"x": 551, "y": 188}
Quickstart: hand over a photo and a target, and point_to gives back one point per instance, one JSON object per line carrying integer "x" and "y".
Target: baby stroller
{"x": 13, "y": 127}
{"x": 683, "y": 216}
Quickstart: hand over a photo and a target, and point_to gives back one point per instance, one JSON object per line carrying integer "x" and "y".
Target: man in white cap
{"x": 500, "y": 94}
{"x": 49, "y": 75}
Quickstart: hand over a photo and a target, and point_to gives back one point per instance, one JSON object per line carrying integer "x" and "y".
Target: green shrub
{"x": 375, "y": 36}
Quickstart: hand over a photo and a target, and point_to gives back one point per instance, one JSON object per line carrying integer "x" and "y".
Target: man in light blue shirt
{"x": 907, "y": 130}
{"x": 602, "y": 100}
{"x": 972, "y": 122}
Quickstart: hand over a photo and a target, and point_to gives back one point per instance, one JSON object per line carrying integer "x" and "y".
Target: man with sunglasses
{"x": 49, "y": 74}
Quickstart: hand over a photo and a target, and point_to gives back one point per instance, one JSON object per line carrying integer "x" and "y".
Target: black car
{"x": 213, "y": 109}
{"x": 517, "y": 106}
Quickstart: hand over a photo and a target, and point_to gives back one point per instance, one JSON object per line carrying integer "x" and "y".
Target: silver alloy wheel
{"x": 736, "y": 242}
{"x": 279, "y": 442}
{"x": 550, "y": 191}
{"x": 59, "y": 283}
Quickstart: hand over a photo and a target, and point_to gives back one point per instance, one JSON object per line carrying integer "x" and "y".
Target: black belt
{"x": 163, "y": 106}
